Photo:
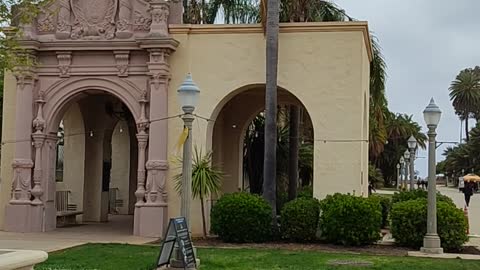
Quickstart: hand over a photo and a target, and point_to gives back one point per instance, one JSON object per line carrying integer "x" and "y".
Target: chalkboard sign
{"x": 177, "y": 232}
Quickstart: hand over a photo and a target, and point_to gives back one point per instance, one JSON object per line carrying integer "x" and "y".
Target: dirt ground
{"x": 389, "y": 250}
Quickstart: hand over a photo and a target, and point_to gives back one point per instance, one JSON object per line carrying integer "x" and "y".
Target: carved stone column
{"x": 151, "y": 217}
{"x": 157, "y": 164}
{"x": 21, "y": 214}
{"x": 22, "y": 162}
{"x": 142, "y": 138}
{"x": 38, "y": 140}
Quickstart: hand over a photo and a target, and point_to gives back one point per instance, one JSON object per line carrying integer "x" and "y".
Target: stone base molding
{"x": 150, "y": 221}
{"x": 24, "y": 218}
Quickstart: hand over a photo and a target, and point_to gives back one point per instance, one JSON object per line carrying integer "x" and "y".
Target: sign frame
{"x": 179, "y": 234}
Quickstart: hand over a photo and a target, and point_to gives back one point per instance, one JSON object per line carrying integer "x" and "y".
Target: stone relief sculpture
{"x": 63, "y": 20}
{"x": 104, "y": 19}
{"x": 124, "y": 19}
{"x": 45, "y": 22}
{"x": 93, "y": 19}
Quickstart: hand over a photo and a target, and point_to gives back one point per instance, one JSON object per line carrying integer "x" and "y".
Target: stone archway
{"x": 51, "y": 105}
{"x": 232, "y": 118}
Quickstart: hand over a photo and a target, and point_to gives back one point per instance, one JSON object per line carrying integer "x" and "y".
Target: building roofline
{"x": 359, "y": 26}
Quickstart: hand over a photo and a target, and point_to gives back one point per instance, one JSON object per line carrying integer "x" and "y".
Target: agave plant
{"x": 206, "y": 180}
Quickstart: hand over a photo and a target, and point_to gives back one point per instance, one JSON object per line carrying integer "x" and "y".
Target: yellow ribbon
{"x": 182, "y": 139}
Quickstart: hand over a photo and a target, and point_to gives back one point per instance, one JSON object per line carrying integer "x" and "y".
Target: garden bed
{"x": 389, "y": 250}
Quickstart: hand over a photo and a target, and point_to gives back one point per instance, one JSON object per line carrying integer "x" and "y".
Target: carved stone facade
{"x": 103, "y": 19}
{"x": 88, "y": 46}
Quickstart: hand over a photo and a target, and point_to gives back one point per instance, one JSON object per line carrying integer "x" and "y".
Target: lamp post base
{"x": 431, "y": 245}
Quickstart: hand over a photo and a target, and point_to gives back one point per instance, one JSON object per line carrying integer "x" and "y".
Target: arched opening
{"x": 95, "y": 162}
{"x": 237, "y": 141}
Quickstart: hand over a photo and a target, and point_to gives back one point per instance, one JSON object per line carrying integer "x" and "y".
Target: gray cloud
{"x": 425, "y": 44}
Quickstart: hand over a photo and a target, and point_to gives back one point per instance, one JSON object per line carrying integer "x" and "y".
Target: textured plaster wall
{"x": 326, "y": 71}
{"x": 8, "y": 149}
{"x": 74, "y": 155}
{"x": 121, "y": 164}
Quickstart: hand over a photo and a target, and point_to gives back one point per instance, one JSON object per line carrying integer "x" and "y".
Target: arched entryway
{"x": 97, "y": 154}
{"x": 238, "y": 124}
{"x": 95, "y": 161}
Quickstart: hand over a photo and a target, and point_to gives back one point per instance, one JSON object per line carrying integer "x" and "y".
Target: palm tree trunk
{"x": 293, "y": 159}
{"x": 467, "y": 136}
{"x": 269, "y": 170}
{"x": 203, "y": 218}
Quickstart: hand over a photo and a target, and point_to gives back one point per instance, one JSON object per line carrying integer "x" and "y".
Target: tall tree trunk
{"x": 203, "y": 218}
{"x": 293, "y": 152}
{"x": 269, "y": 169}
{"x": 467, "y": 136}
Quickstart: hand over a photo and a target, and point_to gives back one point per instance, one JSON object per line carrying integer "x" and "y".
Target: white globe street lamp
{"x": 406, "y": 155}
{"x": 412, "y": 145}
{"x": 188, "y": 93}
{"x": 431, "y": 241}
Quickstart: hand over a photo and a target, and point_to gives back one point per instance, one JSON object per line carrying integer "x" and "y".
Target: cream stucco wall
{"x": 8, "y": 149}
{"x": 73, "y": 156}
{"x": 120, "y": 173}
{"x": 326, "y": 67}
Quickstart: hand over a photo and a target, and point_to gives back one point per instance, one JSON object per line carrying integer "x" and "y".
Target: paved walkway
{"x": 117, "y": 230}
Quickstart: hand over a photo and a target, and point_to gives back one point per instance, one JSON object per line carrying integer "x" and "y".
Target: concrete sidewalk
{"x": 117, "y": 230}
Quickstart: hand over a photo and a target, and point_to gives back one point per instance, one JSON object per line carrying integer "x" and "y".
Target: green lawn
{"x": 119, "y": 257}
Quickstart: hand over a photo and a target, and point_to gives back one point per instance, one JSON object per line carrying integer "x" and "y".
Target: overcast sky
{"x": 425, "y": 44}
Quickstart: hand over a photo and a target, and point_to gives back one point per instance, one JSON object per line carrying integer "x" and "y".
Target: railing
{"x": 62, "y": 201}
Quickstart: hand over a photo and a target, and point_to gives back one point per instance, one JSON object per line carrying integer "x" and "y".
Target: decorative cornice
{"x": 195, "y": 29}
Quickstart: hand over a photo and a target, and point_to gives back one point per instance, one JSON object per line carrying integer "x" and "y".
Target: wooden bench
{"x": 66, "y": 212}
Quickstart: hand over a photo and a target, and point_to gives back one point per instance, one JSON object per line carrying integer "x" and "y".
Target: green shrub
{"x": 282, "y": 199}
{"x": 242, "y": 217}
{"x": 417, "y": 194}
{"x": 299, "y": 220}
{"x": 386, "y": 204}
{"x": 305, "y": 192}
{"x": 409, "y": 224}
{"x": 350, "y": 220}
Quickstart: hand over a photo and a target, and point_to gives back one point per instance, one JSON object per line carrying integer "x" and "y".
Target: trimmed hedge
{"x": 299, "y": 220}
{"x": 305, "y": 192}
{"x": 386, "y": 204}
{"x": 242, "y": 217}
{"x": 350, "y": 220}
{"x": 418, "y": 194}
{"x": 409, "y": 224}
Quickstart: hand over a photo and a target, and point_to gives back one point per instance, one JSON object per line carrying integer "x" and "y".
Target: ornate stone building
{"x": 112, "y": 61}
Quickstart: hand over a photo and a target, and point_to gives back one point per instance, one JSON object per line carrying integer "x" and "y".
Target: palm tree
{"x": 272, "y": 8}
{"x": 465, "y": 96}
{"x": 206, "y": 180}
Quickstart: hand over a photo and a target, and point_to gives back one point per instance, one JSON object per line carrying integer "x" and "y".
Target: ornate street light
{"x": 188, "y": 93}
{"x": 398, "y": 175}
{"x": 402, "y": 172}
{"x": 431, "y": 241}
{"x": 188, "y": 97}
{"x": 406, "y": 155}
{"x": 412, "y": 145}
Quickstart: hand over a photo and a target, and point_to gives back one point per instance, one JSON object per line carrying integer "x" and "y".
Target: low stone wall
{"x": 11, "y": 259}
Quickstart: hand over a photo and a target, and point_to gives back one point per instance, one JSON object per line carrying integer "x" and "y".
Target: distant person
{"x": 468, "y": 192}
